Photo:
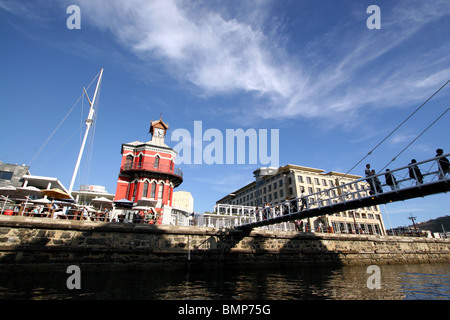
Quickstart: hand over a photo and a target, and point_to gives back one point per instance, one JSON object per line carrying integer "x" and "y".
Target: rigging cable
{"x": 59, "y": 125}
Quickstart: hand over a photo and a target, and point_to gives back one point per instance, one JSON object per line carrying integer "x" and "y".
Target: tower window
{"x": 160, "y": 191}
{"x": 144, "y": 193}
{"x": 153, "y": 191}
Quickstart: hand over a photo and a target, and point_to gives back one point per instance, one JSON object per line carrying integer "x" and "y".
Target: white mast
{"x": 89, "y": 122}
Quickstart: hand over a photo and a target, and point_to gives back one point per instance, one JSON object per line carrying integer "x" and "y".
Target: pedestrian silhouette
{"x": 444, "y": 166}
{"x": 370, "y": 180}
{"x": 377, "y": 182}
{"x": 414, "y": 172}
{"x": 390, "y": 179}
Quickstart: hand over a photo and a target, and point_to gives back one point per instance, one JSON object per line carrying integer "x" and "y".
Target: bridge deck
{"x": 433, "y": 180}
{"x": 385, "y": 197}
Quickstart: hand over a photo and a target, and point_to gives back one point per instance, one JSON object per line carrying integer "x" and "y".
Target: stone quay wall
{"x": 25, "y": 240}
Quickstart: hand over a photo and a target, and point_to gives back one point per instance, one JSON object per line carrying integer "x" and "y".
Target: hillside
{"x": 435, "y": 225}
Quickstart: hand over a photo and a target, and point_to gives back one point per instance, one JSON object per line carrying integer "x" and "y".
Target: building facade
{"x": 184, "y": 200}
{"x": 147, "y": 172}
{"x": 182, "y": 208}
{"x": 19, "y": 176}
{"x": 12, "y": 174}
{"x": 275, "y": 185}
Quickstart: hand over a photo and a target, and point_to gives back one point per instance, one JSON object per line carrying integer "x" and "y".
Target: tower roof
{"x": 158, "y": 124}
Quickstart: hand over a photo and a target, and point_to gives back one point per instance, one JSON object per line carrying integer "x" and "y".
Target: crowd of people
{"x": 57, "y": 211}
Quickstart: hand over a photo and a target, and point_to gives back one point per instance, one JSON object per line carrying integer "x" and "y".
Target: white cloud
{"x": 196, "y": 43}
{"x": 231, "y": 47}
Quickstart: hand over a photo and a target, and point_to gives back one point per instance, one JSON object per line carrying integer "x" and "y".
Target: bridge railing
{"x": 409, "y": 176}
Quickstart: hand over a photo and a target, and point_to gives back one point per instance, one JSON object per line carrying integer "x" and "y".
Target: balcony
{"x": 154, "y": 167}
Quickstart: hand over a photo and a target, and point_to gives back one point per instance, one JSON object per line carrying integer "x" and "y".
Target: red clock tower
{"x": 148, "y": 172}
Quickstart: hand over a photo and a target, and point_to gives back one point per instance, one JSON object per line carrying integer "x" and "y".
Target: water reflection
{"x": 239, "y": 282}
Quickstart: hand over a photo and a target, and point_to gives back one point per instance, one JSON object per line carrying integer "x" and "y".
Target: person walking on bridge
{"x": 444, "y": 166}
{"x": 414, "y": 172}
{"x": 390, "y": 180}
{"x": 369, "y": 180}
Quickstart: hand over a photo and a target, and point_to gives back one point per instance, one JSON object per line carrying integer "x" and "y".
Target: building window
{"x": 128, "y": 162}
{"x": 152, "y": 193}
{"x": 134, "y": 191}
{"x": 140, "y": 161}
{"x": 128, "y": 191}
{"x": 308, "y": 180}
{"x": 300, "y": 179}
{"x": 160, "y": 191}
{"x": 156, "y": 164}
{"x": 144, "y": 193}
{"x": 6, "y": 175}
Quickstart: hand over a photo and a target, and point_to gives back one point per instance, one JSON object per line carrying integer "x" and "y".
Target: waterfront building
{"x": 148, "y": 173}
{"x": 182, "y": 208}
{"x": 87, "y": 193}
{"x": 12, "y": 174}
{"x": 19, "y": 176}
{"x": 184, "y": 200}
{"x": 274, "y": 185}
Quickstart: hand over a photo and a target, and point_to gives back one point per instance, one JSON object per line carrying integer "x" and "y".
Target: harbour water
{"x": 249, "y": 281}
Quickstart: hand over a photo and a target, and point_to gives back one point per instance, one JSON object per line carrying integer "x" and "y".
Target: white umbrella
{"x": 7, "y": 191}
{"x": 28, "y": 191}
{"x": 41, "y": 201}
{"x": 90, "y": 209}
{"x": 146, "y": 202}
{"x": 102, "y": 202}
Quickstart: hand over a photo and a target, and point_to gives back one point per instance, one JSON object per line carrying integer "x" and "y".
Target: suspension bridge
{"x": 415, "y": 180}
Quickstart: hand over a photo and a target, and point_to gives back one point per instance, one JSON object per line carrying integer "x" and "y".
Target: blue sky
{"x": 311, "y": 69}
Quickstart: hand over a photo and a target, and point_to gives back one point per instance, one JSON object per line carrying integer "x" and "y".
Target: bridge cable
{"x": 390, "y": 134}
{"x": 416, "y": 138}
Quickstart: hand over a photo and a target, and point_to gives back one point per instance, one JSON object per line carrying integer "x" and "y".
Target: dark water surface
{"x": 231, "y": 282}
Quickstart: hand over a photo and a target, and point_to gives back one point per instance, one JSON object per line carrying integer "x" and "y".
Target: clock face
{"x": 159, "y": 132}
